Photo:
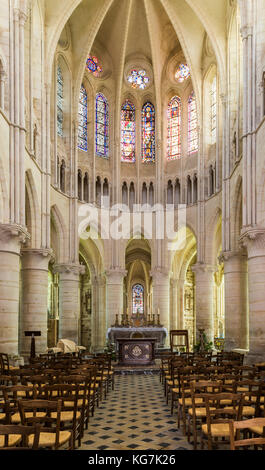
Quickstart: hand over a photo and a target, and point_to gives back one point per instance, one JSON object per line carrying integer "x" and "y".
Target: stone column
{"x": 161, "y": 284}
{"x": 254, "y": 240}
{"x": 114, "y": 294}
{"x": 69, "y": 302}
{"x": 99, "y": 321}
{"x": 204, "y": 298}
{"x": 235, "y": 285}
{"x": 34, "y": 298}
{"x": 11, "y": 237}
{"x": 174, "y": 307}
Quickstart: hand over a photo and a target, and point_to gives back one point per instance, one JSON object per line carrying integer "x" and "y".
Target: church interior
{"x": 132, "y": 224}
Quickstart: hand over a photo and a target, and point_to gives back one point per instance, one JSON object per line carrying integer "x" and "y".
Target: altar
{"x": 136, "y": 352}
{"x": 158, "y": 334}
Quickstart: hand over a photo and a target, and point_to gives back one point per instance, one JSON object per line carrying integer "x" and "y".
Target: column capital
{"x": 45, "y": 252}
{"x": 160, "y": 275}
{"x": 13, "y": 234}
{"x": 71, "y": 268}
{"x": 40, "y": 255}
{"x": 115, "y": 275}
{"x": 199, "y": 268}
{"x": 227, "y": 255}
{"x": 253, "y": 239}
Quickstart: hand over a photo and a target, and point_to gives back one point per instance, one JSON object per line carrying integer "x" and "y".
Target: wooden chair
{"x": 4, "y": 364}
{"x": 91, "y": 388}
{"x": 251, "y": 394}
{"x": 185, "y": 401}
{"x": 179, "y": 334}
{"x": 172, "y": 376}
{"x": 86, "y": 394}
{"x": 101, "y": 379}
{"x": 12, "y": 395}
{"x": 51, "y": 435}
{"x": 249, "y": 427}
{"x": 197, "y": 412}
{"x": 6, "y": 380}
{"x": 173, "y": 364}
{"x": 14, "y": 437}
{"x": 72, "y": 408}
{"x": 246, "y": 372}
{"x": 218, "y": 416}
{"x": 164, "y": 366}
{"x": 109, "y": 372}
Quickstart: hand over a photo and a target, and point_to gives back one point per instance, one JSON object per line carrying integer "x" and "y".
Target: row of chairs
{"x": 210, "y": 395}
{"x": 58, "y": 403}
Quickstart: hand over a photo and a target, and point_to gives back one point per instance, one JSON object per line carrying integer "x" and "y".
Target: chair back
{"x": 236, "y": 426}
{"x": 9, "y": 431}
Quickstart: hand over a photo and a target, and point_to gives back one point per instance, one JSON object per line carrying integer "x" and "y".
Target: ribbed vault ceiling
{"x": 153, "y": 28}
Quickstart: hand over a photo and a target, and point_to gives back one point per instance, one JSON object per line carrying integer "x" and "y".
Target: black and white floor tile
{"x": 135, "y": 416}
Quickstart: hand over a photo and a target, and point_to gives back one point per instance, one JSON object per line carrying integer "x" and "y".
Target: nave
{"x": 135, "y": 417}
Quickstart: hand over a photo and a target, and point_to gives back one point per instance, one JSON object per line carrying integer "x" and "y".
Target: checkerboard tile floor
{"x": 135, "y": 416}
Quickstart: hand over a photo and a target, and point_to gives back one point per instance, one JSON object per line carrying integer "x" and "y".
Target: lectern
{"x": 32, "y": 347}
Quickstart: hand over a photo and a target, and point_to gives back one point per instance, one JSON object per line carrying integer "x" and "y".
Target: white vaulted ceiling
{"x": 153, "y": 29}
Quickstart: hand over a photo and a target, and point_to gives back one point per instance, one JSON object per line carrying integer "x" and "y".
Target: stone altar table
{"x": 136, "y": 351}
{"x": 157, "y": 333}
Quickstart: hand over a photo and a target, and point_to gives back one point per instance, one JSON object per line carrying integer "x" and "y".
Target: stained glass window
{"x": 92, "y": 65}
{"x": 138, "y": 299}
{"x": 182, "y": 73}
{"x": 213, "y": 110}
{"x": 138, "y": 79}
{"x": 174, "y": 126}
{"x": 102, "y": 125}
{"x": 128, "y": 132}
{"x": 192, "y": 124}
{"x": 59, "y": 101}
{"x": 148, "y": 133}
{"x": 82, "y": 119}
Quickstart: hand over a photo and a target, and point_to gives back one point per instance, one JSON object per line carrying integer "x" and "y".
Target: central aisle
{"x": 135, "y": 416}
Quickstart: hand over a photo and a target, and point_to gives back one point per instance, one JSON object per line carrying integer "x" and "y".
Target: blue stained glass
{"x": 128, "y": 132}
{"x": 93, "y": 66}
{"x": 182, "y": 73}
{"x": 82, "y": 119}
{"x": 138, "y": 299}
{"x": 59, "y": 101}
{"x": 138, "y": 79}
{"x": 148, "y": 133}
{"x": 102, "y": 126}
